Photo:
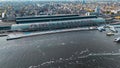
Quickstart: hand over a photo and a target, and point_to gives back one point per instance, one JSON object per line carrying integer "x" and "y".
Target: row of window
{"x": 61, "y": 25}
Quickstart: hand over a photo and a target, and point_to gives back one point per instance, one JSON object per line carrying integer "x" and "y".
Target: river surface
{"x": 60, "y": 50}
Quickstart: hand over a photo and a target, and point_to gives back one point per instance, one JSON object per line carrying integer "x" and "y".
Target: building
{"x": 54, "y": 25}
{"x": 48, "y": 18}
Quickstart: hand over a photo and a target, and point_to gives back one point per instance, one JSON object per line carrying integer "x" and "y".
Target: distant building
{"x": 83, "y": 2}
{"x": 97, "y": 10}
{"x": 93, "y": 13}
{"x": 3, "y": 15}
{"x": 96, "y": 13}
{"x": 114, "y": 11}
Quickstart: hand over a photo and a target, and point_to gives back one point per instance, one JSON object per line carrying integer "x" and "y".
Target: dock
{"x": 18, "y": 35}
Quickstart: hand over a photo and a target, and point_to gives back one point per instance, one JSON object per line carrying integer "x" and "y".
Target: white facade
{"x": 3, "y": 15}
{"x": 114, "y": 11}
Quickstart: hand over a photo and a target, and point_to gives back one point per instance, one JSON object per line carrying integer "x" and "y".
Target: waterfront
{"x": 66, "y": 48}
{"x": 41, "y": 51}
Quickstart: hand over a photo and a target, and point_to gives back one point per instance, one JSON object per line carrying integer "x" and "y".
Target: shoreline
{"x": 19, "y": 35}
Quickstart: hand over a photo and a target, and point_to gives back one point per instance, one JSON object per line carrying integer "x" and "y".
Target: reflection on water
{"x": 83, "y": 59}
{"x": 61, "y": 50}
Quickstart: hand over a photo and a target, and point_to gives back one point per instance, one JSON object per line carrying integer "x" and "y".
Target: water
{"x": 61, "y": 50}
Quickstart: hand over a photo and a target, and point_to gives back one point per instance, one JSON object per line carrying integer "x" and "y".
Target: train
{"x": 54, "y": 25}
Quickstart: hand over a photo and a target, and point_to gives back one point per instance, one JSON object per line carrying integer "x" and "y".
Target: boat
{"x": 117, "y": 40}
{"x": 110, "y": 34}
{"x": 101, "y": 28}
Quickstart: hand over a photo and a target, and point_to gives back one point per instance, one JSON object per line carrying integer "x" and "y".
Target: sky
{"x": 37, "y": 0}
{"x": 57, "y": 0}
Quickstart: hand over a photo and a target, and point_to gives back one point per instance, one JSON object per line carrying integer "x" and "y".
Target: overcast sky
{"x": 58, "y": 0}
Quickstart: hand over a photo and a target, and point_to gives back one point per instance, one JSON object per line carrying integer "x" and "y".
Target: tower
{"x": 97, "y": 9}
{"x": 83, "y": 2}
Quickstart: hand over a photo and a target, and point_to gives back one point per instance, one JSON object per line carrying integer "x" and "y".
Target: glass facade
{"x": 60, "y": 24}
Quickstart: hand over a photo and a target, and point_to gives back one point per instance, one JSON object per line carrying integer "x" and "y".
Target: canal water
{"x": 60, "y": 50}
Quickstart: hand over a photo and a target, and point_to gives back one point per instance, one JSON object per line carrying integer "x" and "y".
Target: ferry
{"x": 117, "y": 40}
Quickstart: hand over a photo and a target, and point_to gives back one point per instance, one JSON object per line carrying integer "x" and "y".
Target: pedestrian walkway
{"x": 17, "y": 35}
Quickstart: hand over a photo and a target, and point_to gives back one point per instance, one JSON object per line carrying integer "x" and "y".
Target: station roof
{"x": 46, "y": 16}
{"x": 93, "y": 19}
{"x": 53, "y": 19}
